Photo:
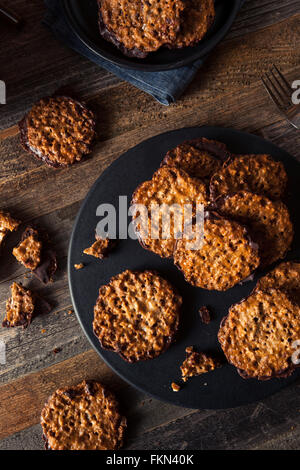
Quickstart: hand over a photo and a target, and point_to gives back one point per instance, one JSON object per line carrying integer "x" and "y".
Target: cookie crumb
{"x": 101, "y": 248}
{"x": 79, "y": 266}
{"x": 175, "y": 387}
{"x": 205, "y": 315}
{"x": 189, "y": 349}
{"x": 197, "y": 364}
{"x": 57, "y": 350}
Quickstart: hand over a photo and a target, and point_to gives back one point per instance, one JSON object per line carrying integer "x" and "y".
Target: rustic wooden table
{"x": 226, "y": 92}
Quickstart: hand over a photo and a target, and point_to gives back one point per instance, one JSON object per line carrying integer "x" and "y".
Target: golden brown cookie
{"x": 7, "y": 224}
{"x": 258, "y": 334}
{"x": 36, "y": 254}
{"x": 197, "y": 364}
{"x": 199, "y": 158}
{"x": 137, "y": 315}
{"x": 58, "y": 130}
{"x": 258, "y": 174}
{"x": 22, "y": 306}
{"x": 138, "y": 28}
{"x": 101, "y": 248}
{"x": 286, "y": 276}
{"x": 197, "y": 19}
{"x": 83, "y": 417}
{"x": 227, "y": 256}
{"x": 168, "y": 186}
{"x": 268, "y": 221}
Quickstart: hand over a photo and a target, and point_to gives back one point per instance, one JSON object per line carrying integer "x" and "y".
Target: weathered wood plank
{"x": 44, "y": 64}
{"x": 226, "y": 92}
{"x": 247, "y": 427}
{"x": 23, "y": 399}
{"x": 271, "y": 424}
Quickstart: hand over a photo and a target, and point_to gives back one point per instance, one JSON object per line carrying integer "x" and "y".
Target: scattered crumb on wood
{"x": 205, "y": 315}
{"x": 70, "y": 312}
{"x": 175, "y": 387}
{"x": 79, "y": 266}
{"x": 57, "y": 350}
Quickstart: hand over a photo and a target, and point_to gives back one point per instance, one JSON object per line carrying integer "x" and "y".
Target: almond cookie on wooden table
{"x": 83, "y": 417}
{"x": 58, "y": 131}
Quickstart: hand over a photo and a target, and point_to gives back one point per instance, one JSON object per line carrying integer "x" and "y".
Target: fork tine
{"x": 271, "y": 93}
{"x": 281, "y": 90}
{"x": 284, "y": 80}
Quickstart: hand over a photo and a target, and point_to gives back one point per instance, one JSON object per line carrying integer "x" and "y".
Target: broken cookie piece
{"x": 78, "y": 267}
{"x": 19, "y": 307}
{"x": 175, "y": 387}
{"x": 7, "y": 224}
{"x": 197, "y": 364}
{"x": 205, "y": 315}
{"x": 101, "y": 248}
{"x": 22, "y": 306}
{"x": 35, "y": 254}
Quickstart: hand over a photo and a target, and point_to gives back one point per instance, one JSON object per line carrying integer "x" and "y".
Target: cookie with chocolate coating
{"x": 58, "y": 131}
{"x": 83, "y": 417}
{"x": 137, "y": 315}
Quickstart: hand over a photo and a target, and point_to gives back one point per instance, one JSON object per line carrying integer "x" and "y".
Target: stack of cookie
{"x": 140, "y": 27}
{"x": 246, "y": 224}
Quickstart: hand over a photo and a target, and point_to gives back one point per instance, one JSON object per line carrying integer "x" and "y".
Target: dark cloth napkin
{"x": 165, "y": 87}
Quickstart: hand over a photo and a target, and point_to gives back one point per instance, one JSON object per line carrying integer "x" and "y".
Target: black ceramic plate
{"x": 83, "y": 19}
{"x": 225, "y": 388}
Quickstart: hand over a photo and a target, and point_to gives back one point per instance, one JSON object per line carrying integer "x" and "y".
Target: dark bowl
{"x": 83, "y": 19}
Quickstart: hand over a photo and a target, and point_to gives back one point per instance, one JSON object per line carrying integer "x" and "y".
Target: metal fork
{"x": 281, "y": 93}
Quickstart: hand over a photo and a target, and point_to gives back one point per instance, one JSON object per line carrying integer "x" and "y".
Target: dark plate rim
{"x": 98, "y": 348}
{"x": 127, "y": 63}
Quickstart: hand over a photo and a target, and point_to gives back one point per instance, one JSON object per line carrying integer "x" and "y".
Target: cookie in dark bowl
{"x": 138, "y": 28}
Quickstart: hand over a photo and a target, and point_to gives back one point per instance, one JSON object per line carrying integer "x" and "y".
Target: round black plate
{"x": 222, "y": 388}
{"x": 83, "y": 19}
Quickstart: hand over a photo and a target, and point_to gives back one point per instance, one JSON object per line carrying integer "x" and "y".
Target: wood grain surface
{"x": 226, "y": 92}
